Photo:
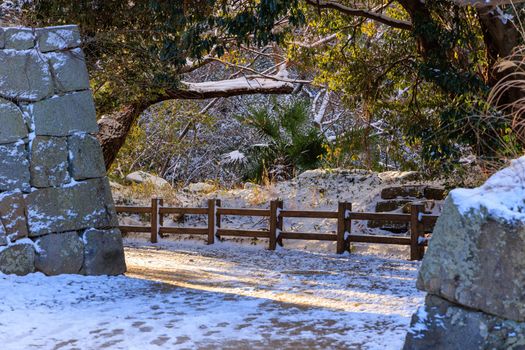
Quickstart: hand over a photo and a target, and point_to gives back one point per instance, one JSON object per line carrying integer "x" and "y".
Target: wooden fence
{"x": 419, "y": 223}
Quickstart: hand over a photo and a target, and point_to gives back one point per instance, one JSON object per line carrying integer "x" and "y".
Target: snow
{"x": 187, "y": 295}
{"x": 502, "y": 195}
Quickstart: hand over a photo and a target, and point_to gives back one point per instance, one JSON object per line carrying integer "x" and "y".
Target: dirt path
{"x": 297, "y": 299}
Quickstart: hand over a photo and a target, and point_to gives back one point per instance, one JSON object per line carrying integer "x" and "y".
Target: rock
{"x": 435, "y": 193}
{"x": 65, "y": 115}
{"x": 49, "y": 162}
{"x": 37, "y": 83}
{"x": 2, "y": 38}
{"x": 72, "y": 208}
{"x": 86, "y": 158}
{"x": 468, "y": 253}
{"x": 19, "y": 38}
{"x": 141, "y": 177}
{"x": 391, "y": 176}
{"x": 14, "y": 167}
{"x": 200, "y": 187}
{"x": 13, "y": 216}
{"x": 69, "y": 70}
{"x": 18, "y": 259}
{"x": 103, "y": 252}
{"x": 441, "y": 325}
{"x": 58, "y": 38}
{"x": 59, "y": 253}
{"x": 414, "y": 191}
{"x": 12, "y": 121}
{"x": 3, "y": 235}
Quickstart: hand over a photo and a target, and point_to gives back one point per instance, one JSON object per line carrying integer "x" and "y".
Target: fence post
{"x": 154, "y": 219}
{"x": 348, "y": 225}
{"x": 416, "y": 250}
{"x": 217, "y": 217}
{"x": 341, "y": 208}
{"x": 275, "y": 222}
{"x": 211, "y": 221}
{"x": 161, "y": 216}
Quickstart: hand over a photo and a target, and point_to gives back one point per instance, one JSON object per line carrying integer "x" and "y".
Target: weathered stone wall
{"x": 56, "y": 210}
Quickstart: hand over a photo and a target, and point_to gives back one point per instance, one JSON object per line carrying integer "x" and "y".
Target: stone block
{"x": 73, "y": 207}
{"x": 65, "y": 115}
{"x": 103, "y": 252}
{"x": 391, "y": 205}
{"x": 12, "y": 122}
{"x": 476, "y": 260}
{"x": 402, "y": 191}
{"x": 49, "y": 161}
{"x": 86, "y": 158}
{"x": 14, "y": 167}
{"x": 69, "y": 70}
{"x": 441, "y": 325}
{"x": 19, "y": 38}
{"x": 13, "y": 215}
{"x": 59, "y": 253}
{"x": 58, "y": 38}
{"x": 37, "y": 83}
{"x": 18, "y": 259}
{"x": 434, "y": 192}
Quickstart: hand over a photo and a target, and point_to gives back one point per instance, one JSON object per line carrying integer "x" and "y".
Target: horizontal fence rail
{"x": 420, "y": 224}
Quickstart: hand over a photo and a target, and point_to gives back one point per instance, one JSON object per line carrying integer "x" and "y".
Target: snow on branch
{"x": 232, "y": 87}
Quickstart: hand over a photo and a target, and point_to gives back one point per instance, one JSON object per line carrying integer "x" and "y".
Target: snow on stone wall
{"x": 56, "y": 210}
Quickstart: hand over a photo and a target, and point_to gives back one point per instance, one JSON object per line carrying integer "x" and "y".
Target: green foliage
{"x": 293, "y": 143}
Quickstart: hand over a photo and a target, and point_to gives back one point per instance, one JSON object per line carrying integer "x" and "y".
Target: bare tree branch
{"x": 376, "y": 16}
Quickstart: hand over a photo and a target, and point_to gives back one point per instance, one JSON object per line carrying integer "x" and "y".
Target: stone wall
{"x": 56, "y": 210}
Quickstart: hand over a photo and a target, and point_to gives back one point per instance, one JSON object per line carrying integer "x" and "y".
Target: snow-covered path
{"x": 222, "y": 296}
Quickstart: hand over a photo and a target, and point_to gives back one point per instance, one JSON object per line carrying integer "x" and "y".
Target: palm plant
{"x": 291, "y": 142}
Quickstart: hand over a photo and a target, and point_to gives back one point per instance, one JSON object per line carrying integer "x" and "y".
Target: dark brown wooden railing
{"x": 420, "y": 224}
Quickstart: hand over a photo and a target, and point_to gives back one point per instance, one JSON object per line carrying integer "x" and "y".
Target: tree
{"x": 139, "y": 51}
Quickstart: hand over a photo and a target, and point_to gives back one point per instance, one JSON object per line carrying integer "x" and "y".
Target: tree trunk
{"x": 114, "y": 128}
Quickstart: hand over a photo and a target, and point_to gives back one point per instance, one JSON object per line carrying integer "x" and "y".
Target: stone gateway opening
{"x": 56, "y": 209}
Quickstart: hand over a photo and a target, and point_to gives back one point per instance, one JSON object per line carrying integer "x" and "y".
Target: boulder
{"x": 37, "y": 83}
{"x": 69, "y": 70}
{"x": 473, "y": 269}
{"x": 86, "y": 158}
{"x": 469, "y": 252}
{"x": 14, "y": 167}
{"x": 49, "y": 162}
{"x": 71, "y": 208}
{"x": 12, "y": 122}
{"x": 2, "y": 38}
{"x": 18, "y": 259}
{"x": 13, "y": 216}
{"x": 59, "y": 253}
{"x": 413, "y": 191}
{"x": 58, "y": 38}
{"x": 19, "y": 38}
{"x": 142, "y": 177}
{"x": 441, "y": 325}
{"x": 65, "y": 115}
{"x": 103, "y": 252}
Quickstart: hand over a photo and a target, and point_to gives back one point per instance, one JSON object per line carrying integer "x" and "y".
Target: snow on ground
{"x": 186, "y": 295}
